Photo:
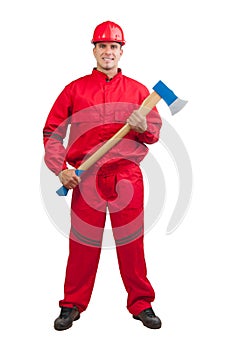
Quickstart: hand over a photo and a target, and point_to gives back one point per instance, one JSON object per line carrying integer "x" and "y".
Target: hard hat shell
{"x": 108, "y": 31}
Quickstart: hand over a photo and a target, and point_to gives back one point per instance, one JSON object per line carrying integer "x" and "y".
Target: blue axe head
{"x": 174, "y": 103}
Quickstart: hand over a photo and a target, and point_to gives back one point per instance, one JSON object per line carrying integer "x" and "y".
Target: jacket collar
{"x": 101, "y": 76}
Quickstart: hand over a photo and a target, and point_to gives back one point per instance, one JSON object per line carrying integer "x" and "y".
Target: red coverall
{"x": 96, "y": 108}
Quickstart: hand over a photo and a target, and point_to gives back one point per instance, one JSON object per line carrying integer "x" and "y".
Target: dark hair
{"x": 97, "y": 42}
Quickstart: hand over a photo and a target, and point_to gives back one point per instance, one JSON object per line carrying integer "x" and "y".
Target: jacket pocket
{"x": 89, "y": 115}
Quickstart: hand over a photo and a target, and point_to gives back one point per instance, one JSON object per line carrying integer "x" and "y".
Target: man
{"x": 97, "y": 106}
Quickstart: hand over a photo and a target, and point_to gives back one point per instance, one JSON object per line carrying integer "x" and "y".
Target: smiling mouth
{"x": 108, "y": 59}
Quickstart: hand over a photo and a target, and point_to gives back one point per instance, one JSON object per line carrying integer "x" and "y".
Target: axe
{"x": 161, "y": 91}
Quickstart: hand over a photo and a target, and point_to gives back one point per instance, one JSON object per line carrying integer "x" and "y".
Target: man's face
{"x": 107, "y": 55}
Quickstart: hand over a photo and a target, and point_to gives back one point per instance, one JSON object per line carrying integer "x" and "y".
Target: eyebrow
{"x": 104, "y": 45}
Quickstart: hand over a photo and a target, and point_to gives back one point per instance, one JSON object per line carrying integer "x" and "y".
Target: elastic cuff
{"x": 139, "y": 307}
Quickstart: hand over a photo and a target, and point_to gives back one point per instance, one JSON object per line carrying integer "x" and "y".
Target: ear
{"x": 94, "y": 51}
{"x": 121, "y": 52}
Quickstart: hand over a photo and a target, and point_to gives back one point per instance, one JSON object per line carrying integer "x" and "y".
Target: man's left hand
{"x": 137, "y": 122}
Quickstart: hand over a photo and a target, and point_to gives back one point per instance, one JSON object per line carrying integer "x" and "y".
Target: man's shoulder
{"x": 134, "y": 83}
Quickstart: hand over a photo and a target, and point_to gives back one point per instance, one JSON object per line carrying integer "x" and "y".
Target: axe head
{"x": 174, "y": 103}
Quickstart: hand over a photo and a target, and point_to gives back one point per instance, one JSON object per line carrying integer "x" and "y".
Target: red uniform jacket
{"x": 96, "y": 108}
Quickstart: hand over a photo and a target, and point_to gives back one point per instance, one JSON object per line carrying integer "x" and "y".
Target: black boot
{"x": 149, "y": 319}
{"x": 66, "y": 318}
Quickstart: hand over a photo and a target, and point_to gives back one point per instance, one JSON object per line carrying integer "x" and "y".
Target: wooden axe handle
{"x": 144, "y": 109}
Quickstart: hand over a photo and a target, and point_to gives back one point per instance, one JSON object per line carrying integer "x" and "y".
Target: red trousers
{"x": 118, "y": 186}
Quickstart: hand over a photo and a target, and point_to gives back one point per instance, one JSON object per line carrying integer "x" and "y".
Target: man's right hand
{"x": 69, "y": 179}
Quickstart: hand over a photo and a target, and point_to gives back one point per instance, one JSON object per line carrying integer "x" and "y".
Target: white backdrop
{"x": 44, "y": 46}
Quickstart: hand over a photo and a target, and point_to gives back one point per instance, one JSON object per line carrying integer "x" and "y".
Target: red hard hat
{"x": 108, "y": 31}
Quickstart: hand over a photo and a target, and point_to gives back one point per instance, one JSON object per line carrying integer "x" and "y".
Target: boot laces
{"x": 65, "y": 312}
{"x": 149, "y": 312}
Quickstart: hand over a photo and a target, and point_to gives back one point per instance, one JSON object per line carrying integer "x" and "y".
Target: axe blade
{"x": 177, "y": 105}
{"x": 174, "y": 103}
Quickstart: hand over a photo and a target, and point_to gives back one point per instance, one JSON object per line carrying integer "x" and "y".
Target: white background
{"x": 187, "y": 44}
